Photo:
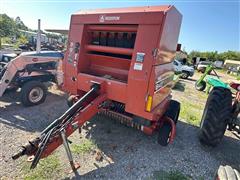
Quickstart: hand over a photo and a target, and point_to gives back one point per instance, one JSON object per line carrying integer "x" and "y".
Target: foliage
{"x": 20, "y": 24}
{"x": 22, "y": 40}
{"x": 214, "y": 56}
{"x": 85, "y": 147}
{"x": 10, "y": 27}
{"x": 6, "y": 40}
{"x": 7, "y": 26}
{"x": 47, "y": 168}
{"x": 172, "y": 175}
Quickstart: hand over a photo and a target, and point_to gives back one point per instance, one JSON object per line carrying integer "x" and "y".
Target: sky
{"x": 208, "y": 25}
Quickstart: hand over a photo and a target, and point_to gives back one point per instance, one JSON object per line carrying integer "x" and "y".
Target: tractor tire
{"x": 165, "y": 131}
{"x": 184, "y": 75}
{"x": 33, "y": 93}
{"x": 200, "y": 86}
{"x": 227, "y": 173}
{"x": 216, "y": 115}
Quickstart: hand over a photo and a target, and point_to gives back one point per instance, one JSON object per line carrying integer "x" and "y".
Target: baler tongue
{"x": 58, "y": 131}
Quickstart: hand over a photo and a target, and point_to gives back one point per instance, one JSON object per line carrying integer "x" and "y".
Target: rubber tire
{"x": 227, "y": 173}
{"x": 216, "y": 115}
{"x": 70, "y": 100}
{"x": 184, "y": 75}
{"x": 200, "y": 87}
{"x": 27, "y": 87}
{"x": 164, "y": 134}
{"x": 173, "y": 113}
{"x": 173, "y": 110}
{"x": 202, "y": 70}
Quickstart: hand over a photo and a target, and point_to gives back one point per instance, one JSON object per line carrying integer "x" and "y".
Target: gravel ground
{"x": 128, "y": 153}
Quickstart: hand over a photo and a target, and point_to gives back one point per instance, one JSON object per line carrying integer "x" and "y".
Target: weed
{"x": 191, "y": 112}
{"x": 47, "y": 168}
{"x": 172, "y": 175}
{"x": 85, "y": 147}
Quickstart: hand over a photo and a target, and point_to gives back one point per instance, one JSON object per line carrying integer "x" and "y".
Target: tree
{"x": 7, "y": 27}
{"x": 214, "y": 56}
{"x": 20, "y": 24}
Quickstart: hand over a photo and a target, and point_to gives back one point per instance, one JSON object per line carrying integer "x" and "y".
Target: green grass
{"x": 179, "y": 86}
{"x": 172, "y": 175}
{"x": 191, "y": 112}
{"x": 47, "y": 168}
{"x": 85, "y": 147}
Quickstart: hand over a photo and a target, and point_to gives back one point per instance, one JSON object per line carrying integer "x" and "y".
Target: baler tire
{"x": 200, "y": 86}
{"x": 173, "y": 110}
{"x": 227, "y": 173}
{"x": 216, "y": 115}
{"x": 164, "y": 134}
{"x": 26, "y": 90}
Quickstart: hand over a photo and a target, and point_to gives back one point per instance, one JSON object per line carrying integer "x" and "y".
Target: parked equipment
{"x": 222, "y": 110}
{"x": 29, "y": 71}
{"x": 202, "y": 83}
{"x": 184, "y": 70}
{"x": 118, "y": 63}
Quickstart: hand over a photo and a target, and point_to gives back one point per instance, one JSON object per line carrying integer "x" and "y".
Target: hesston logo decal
{"x": 103, "y": 18}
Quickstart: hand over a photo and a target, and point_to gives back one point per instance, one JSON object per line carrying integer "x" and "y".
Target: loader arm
{"x": 9, "y": 72}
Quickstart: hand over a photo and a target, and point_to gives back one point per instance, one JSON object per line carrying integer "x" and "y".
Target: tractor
{"x": 30, "y": 71}
{"x": 203, "y": 82}
{"x": 221, "y": 112}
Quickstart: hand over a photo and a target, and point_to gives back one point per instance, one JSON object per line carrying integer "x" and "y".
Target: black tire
{"x": 200, "y": 86}
{"x": 70, "y": 100}
{"x": 184, "y": 75}
{"x": 227, "y": 173}
{"x": 28, "y": 90}
{"x": 202, "y": 70}
{"x": 165, "y": 131}
{"x": 164, "y": 134}
{"x": 216, "y": 115}
{"x": 173, "y": 110}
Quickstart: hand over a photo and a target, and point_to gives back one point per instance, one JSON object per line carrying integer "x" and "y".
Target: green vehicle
{"x": 207, "y": 81}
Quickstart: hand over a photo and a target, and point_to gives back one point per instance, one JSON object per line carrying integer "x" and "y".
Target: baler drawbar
{"x": 58, "y": 131}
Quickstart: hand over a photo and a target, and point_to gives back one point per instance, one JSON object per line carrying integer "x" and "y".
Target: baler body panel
{"x": 118, "y": 62}
{"x": 129, "y": 51}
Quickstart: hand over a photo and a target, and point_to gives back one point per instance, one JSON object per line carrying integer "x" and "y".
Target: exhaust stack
{"x": 38, "y": 48}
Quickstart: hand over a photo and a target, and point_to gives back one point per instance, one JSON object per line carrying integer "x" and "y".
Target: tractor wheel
{"x": 227, "y": 173}
{"x": 184, "y": 75}
{"x": 165, "y": 131}
{"x": 200, "y": 86}
{"x": 70, "y": 100}
{"x": 33, "y": 93}
{"x": 216, "y": 115}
